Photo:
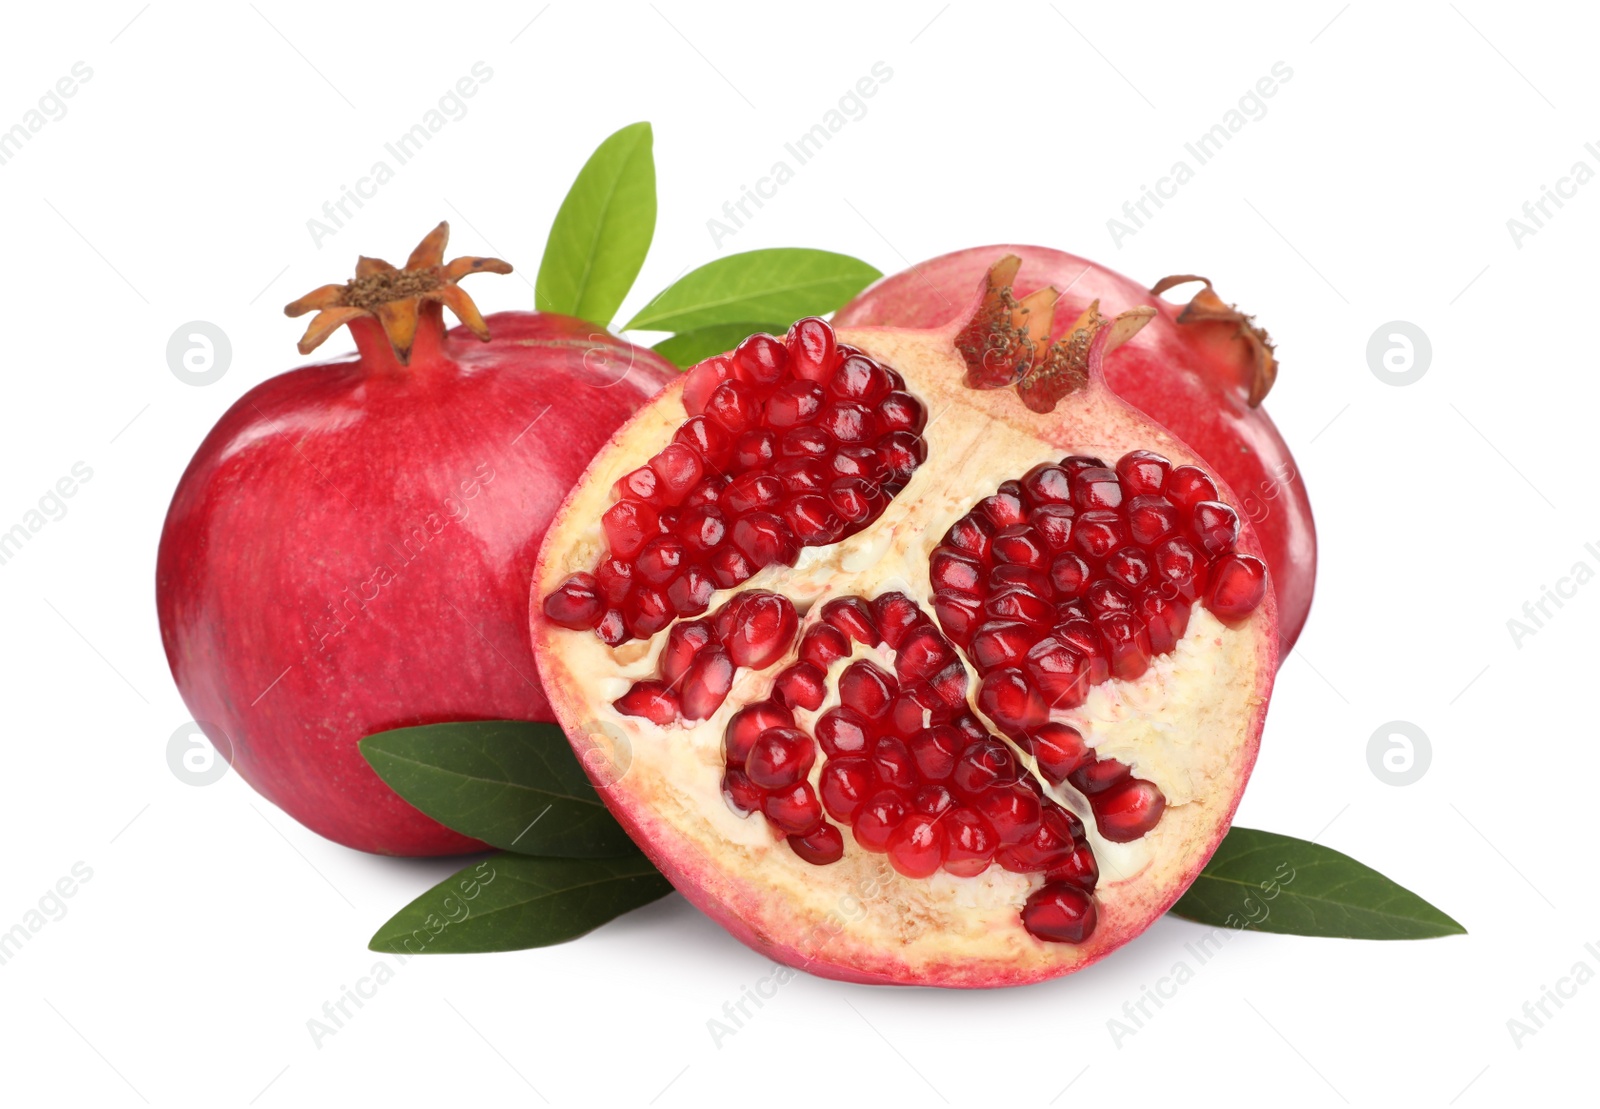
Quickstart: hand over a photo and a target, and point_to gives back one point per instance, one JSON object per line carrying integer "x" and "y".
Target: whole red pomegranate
{"x": 351, "y": 547}
{"x": 913, "y": 656}
{"x": 1200, "y": 370}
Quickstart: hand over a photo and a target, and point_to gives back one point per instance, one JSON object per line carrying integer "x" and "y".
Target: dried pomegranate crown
{"x": 396, "y": 298}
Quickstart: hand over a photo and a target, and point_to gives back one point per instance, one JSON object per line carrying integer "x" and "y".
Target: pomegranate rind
{"x": 857, "y": 919}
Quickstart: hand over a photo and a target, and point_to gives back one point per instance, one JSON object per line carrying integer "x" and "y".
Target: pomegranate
{"x": 350, "y": 549}
{"x": 903, "y": 674}
{"x": 1201, "y": 370}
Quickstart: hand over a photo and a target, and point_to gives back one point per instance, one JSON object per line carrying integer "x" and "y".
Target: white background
{"x": 1377, "y": 187}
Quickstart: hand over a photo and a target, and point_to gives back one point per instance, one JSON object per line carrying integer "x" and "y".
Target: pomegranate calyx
{"x": 1006, "y": 342}
{"x": 1206, "y": 307}
{"x": 400, "y": 300}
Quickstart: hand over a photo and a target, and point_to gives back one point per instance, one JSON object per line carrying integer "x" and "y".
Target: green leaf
{"x": 509, "y": 902}
{"x": 513, "y": 784}
{"x": 784, "y": 283}
{"x": 1276, "y": 883}
{"x": 602, "y": 232}
{"x": 687, "y": 348}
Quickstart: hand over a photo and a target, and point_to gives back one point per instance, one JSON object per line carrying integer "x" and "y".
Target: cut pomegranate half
{"x": 965, "y": 700}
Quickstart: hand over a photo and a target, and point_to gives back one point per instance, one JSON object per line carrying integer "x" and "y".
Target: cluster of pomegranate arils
{"x": 819, "y": 438}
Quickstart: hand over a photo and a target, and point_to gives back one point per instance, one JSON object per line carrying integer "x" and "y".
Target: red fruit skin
{"x": 351, "y": 548}
{"x": 1192, "y": 379}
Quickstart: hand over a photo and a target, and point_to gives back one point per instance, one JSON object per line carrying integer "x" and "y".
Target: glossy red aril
{"x": 350, "y": 549}
{"x": 1002, "y": 669}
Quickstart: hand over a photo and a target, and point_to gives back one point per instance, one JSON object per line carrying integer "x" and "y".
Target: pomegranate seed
{"x": 1130, "y": 566}
{"x": 730, "y": 567}
{"x": 640, "y": 485}
{"x": 1151, "y": 519}
{"x": 702, "y": 380}
{"x": 1013, "y": 813}
{"x": 757, "y": 628}
{"x": 765, "y": 539}
{"x": 752, "y": 492}
{"x": 1011, "y": 702}
{"x": 1142, "y": 473}
{"x": 1187, "y": 486}
{"x": 743, "y": 796}
{"x": 805, "y": 442}
{"x": 615, "y": 579}
{"x": 1098, "y": 532}
{"x": 813, "y": 521}
{"x": 932, "y": 800}
{"x": 629, "y": 525}
{"x": 1238, "y": 586}
{"x": 859, "y": 378}
{"x": 892, "y": 763}
{"x": 658, "y": 563}
{"x": 1070, "y": 575}
{"x": 612, "y": 628}
{"x": 922, "y": 653}
{"x": 800, "y": 686}
{"x": 794, "y": 811}
{"x": 935, "y": 751}
{"x": 760, "y": 360}
{"x": 1165, "y": 619}
{"x": 651, "y": 700}
{"x": 811, "y": 352}
{"x": 970, "y": 535}
{"x": 1020, "y": 545}
{"x": 679, "y": 469}
{"x": 1002, "y": 509}
{"x": 1097, "y": 777}
{"x": 801, "y": 475}
{"x": 1047, "y": 483}
{"x": 575, "y": 603}
{"x": 1059, "y": 913}
{"x": 1077, "y": 463}
{"x": 707, "y": 492}
{"x": 958, "y": 613}
{"x": 985, "y": 764}
{"x": 823, "y": 645}
{"x": 950, "y": 685}
{"x": 842, "y": 731}
{"x": 916, "y": 848}
{"x": 902, "y": 412}
{"x": 1060, "y": 750}
{"x": 1096, "y": 488}
{"x": 706, "y": 439}
{"x": 746, "y": 725}
{"x": 1053, "y": 523}
{"x": 733, "y": 406}
{"x": 852, "y": 616}
{"x": 1079, "y": 869}
{"x": 684, "y": 641}
{"x": 780, "y": 757}
{"x": 1127, "y": 644}
{"x": 706, "y": 683}
{"x": 1126, "y": 812}
{"x": 997, "y": 643}
{"x": 853, "y": 499}
{"x": 950, "y": 569}
{"x": 845, "y": 785}
{"x": 647, "y": 612}
{"x": 854, "y": 461}
{"x": 901, "y": 452}
{"x": 867, "y": 689}
{"x": 895, "y": 614}
{"x": 822, "y": 845}
{"x": 970, "y": 843}
{"x": 755, "y": 449}
{"x": 1180, "y": 565}
{"x": 796, "y": 402}
{"x": 876, "y": 820}
{"x": 1006, "y": 576}
{"x": 1018, "y": 604}
{"x": 1059, "y": 671}
{"x": 1107, "y": 596}
{"x": 1215, "y": 526}
{"x": 702, "y": 529}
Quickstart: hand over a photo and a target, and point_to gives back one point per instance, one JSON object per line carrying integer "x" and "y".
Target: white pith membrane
{"x": 1190, "y": 724}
